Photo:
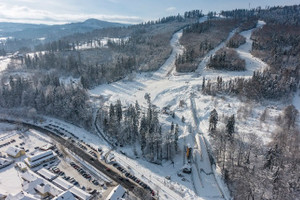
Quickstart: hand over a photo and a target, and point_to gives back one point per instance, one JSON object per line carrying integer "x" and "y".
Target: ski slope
{"x": 167, "y": 88}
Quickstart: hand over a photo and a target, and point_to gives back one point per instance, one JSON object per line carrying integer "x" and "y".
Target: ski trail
{"x": 169, "y": 65}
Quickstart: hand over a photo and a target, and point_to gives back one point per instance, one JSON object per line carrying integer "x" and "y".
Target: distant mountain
{"x": 51, "y": 32}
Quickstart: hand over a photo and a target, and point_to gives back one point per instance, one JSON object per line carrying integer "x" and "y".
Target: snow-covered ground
{"x": 167, "y": 88}
{"x": 244, "y": 51}
{"x": 4, "y": 61}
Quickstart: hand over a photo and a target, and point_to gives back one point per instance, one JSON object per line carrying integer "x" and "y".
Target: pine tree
{"x": 230, "y": 127}
{"x": 176, "y": 137}
{"x": 119, "y": 110}
{"x": 213, "y": 121}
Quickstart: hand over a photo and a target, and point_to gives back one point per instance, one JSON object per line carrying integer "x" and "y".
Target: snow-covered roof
{"x": 5, "y": 162}
{"x": 20, "y": 196}
{"x": 40, "y": 155}
{"x": 45, "y": 187}
{"x": 28, "y": 176}
{"x": 47, "y": 146}
{"x": 80, "y": 193}
{"x": 13, "y": 151}
{"x": 67, "y": 195}
{"x": 117, "y": 193}
{"x": 41, "y": 185}
{"x": 46, "y": 174}
{"x": 38, "y": 161}
{"x": 21, "y": 165}
{"x": 62, "y": 183}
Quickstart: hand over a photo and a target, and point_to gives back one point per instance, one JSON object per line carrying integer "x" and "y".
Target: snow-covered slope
{"x": 167, "y": 88}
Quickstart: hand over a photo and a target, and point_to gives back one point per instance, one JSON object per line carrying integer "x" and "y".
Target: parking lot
{"x": 74, "y": 172}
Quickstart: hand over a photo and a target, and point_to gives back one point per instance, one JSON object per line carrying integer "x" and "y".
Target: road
{"x": 128, "y": 184}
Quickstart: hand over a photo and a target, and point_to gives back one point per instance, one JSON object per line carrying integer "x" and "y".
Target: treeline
{"x": 72, "y": 64}
{"x": 140, "y": 127}
{"x": 199, "y": 38}
{"x": 59, "y": 45}
{"x": 272, "y": 15}
{"x": 252, "y": 171}
{"x": 47, "y": 96}
{"x": 261, "y": 86}
{"x": 236, "y": 40}
{"x": 278, "y": 45}
{"x": 226, "y": 59}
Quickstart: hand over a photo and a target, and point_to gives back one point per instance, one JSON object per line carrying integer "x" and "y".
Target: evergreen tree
{"x": 119, "y": 110}
{"x": 230, "y": 127}
{"x": 176, "y": 137}
{"x": 213, "y": 120}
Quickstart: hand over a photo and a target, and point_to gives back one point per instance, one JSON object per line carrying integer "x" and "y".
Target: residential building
{"x": 15, "y": 152}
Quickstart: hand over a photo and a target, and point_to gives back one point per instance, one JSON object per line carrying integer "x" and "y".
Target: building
{"x": 41, "y": 186}
{"x": 80, "y": 194}
{"x": 45, "y": 189}
{"x": 15, "y": 152}
{"x": 62, "y": 184}
{"x": 21, "y": 166}
{"x": 47, "y": 174}
{"x": 38, "y": 159}
{"x": 5, "y": 162}
{"x": 21, "y": 196}
{"x": 117, "y": 193}
{"x": 67, "y": 195}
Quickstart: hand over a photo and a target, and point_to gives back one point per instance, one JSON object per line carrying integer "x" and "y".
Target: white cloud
{"x": 25, "y": 14}
{"x": 171, "y": 9}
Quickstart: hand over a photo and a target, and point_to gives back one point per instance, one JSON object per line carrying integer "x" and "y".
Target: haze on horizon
{"x": 123, "y": 11}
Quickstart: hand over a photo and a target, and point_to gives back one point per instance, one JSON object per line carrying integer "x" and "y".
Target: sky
{"x": 124, "y": 11}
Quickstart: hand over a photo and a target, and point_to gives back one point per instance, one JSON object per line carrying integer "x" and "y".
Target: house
{"x": 42, "y": 187}
{"x": 36, "y": 184}
{"x": 15, "y": 152}
{"x": 22, "y": 167}
{"x": 38, "y": 159}
{"x": 5, "y": 162}
{"x": 117, "y": 193}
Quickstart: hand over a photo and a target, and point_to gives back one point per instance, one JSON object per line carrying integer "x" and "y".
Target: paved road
{"x": 128, "y": 184}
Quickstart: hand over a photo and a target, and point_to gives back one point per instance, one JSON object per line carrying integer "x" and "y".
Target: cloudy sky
{"x": 127, "y": 11}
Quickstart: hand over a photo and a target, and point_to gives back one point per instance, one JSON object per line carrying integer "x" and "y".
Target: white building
{"x": 67, "y": 195}
{"x": 80, "y": 194}
{"x": 117, "y": 193}
{"x": 38, "y": 159}
{"x": 35, "y": 184}
{"x": 5, "y": 162}
{"x": 47, "y": 174}
{"x": 15, "y": 152}
{"x": 63, "y": 184}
